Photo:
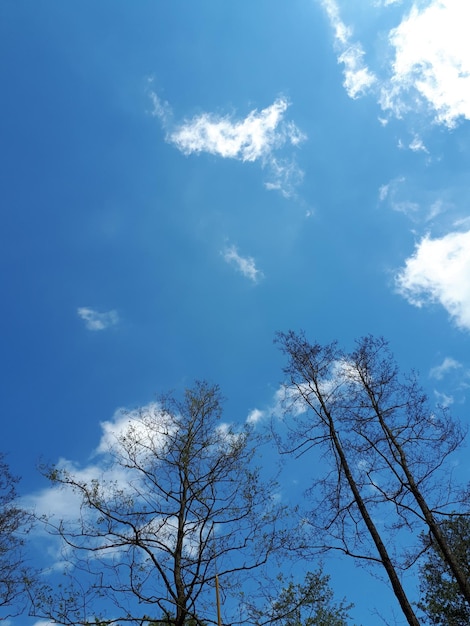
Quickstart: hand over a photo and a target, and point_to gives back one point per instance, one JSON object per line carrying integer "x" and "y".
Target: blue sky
{"x": 180, "y": 180}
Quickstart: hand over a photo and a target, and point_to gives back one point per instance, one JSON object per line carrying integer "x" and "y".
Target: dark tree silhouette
{"x": 384, "y": 449}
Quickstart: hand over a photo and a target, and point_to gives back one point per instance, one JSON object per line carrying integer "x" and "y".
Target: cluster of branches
{"x": 15, "y": 523}
{"x": 188, "y": 505}
{"x": 181, "y": 503}
{"x": 385, "y": 450}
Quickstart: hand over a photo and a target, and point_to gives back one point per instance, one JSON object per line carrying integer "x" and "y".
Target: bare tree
{"x": 14, "y": 523}
{"x": 385, "y": 449}
{"x": 180, "y": 503}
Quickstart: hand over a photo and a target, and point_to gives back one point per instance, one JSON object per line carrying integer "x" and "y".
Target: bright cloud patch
{"x": 149, "y": 424}
{"x": 250, "y": 139}
{"x": 432, "y": 61}
{"x": 257, "y": 137}
{"x": 357, "y": 77}
{"x": 245, "y": 265}
{"x": 439, "y": 271}
{"x": 97, "y": 321}
{"x": 255, "y": 416}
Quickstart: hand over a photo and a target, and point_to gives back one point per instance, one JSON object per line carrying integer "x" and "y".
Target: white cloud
{"x": 358, "y": 79}
{"x": 439, "y": 271}
{"x": 245, "y": 265}
{"x": 255, "y": 416}
{"x": 249, "y": 139}
{"x": 97, "y": 321}
{"x": 447, "y": 365}
{"x": 417, "y": 145}
{"x": 148, "y": 424}
{"x": 257, "y": 137}
{"x": 432, "y": 62}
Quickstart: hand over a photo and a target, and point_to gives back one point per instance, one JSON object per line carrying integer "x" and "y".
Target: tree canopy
{"x": 442, "y": 601}
{"x": 181, "y": 501}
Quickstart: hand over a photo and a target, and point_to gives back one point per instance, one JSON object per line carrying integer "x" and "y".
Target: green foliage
{"x": 442, "y": 601}
{"x": 310, "y": 603}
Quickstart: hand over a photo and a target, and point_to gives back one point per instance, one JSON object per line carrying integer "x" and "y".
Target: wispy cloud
{"x": 386, "y": 3}
{"x": 443, "y": 399}
{"x": 417, "y": 145}
{"x": 383, "y": 192}
{"x": 448, "y": 364}
{"x": 392, "y": 192}
{"x": 432, "y": 62}
{"x": 358, "y": 79}
{"x": 97, "y": 321}
{"x": 260, "y": 136}
{"x": 439, "y": 272}
{"x": 244, "y": 265}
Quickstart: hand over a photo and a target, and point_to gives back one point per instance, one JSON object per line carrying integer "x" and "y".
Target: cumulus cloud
{"x": 432, "y": 62}
{"x": 429, "y": 66}
{"x": 244, "y": 265}
{"x": 260, "y": 136}
{"x": 439, "y": 271}
{"x": 358, "y": 79}
{"x": 255, "y": 416}
{"x": 149, "y": 424}
{"x": 97, "y": 321}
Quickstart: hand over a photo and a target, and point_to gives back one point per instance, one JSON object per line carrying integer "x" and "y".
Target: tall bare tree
{"x": 180, "y": 503}
{"x": 385, "y": 449}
